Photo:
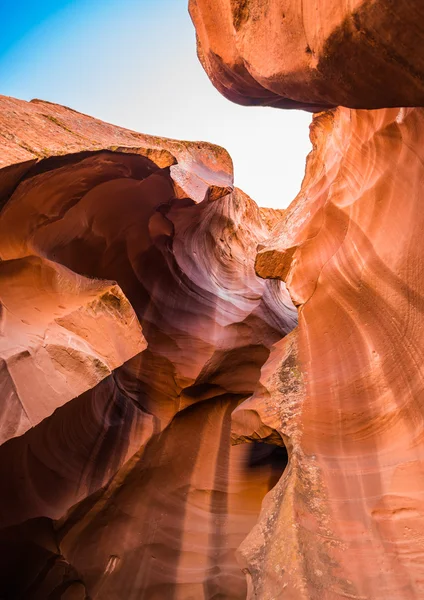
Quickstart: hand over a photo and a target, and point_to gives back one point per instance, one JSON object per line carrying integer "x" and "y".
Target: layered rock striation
{"x": 156, "y": 389}
{"x": 344, "y": 389}
{"x": 133, "y": 325}
{"x": 342, "y": 392}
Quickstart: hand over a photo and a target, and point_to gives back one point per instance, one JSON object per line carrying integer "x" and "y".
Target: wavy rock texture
{"x": 313, "y": 54}
{"x": 165, "y": 499}
{"x": 344, "y": 390}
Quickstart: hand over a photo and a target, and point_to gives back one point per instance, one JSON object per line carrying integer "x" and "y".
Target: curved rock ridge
{"x": 70, "y": 454}
{"x": 313, "y": 54}
{"x": 344, "y": 390}
{"x": 34, "y": 131}
{"x": 61, "y": 334}
{"x": 147, "y": 449}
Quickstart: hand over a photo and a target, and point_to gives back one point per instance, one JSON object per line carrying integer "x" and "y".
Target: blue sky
{"x": 133, "y": 63}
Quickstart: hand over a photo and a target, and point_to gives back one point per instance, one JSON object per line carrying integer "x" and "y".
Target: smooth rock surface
{"x": 165, "y": 500}
{"x": 61, "y": 334}
{"x": 344, "y": 390}
{"x": 313, "y": 54}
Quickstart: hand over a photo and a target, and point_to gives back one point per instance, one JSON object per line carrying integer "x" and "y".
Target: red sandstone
{"x": 313, "y": 54}
{"x": 138, "y": 342}
{"x": 147, "y": 449}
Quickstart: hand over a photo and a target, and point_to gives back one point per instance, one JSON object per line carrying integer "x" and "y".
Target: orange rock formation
{"x": 313, "y": 54}
{"x": 138, "y": 343}
{"x": 346, "y": 393}
{"x": 343, "y": 392}
{"x": 127, "y": 278}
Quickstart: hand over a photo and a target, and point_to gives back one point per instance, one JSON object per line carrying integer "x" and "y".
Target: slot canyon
{"x": 204, "y": 399}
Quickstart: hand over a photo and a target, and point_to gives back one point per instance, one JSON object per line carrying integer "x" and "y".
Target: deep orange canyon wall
{"x": 344, "y": 390}
{"x": 133, "y": 325}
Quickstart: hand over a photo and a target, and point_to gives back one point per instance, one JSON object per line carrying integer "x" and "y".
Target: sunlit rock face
{"x": 128, "y": 276}
{"x": 344, "y": 390}
{"x": 313, "y": 54}
{"x": 61, "y": 334}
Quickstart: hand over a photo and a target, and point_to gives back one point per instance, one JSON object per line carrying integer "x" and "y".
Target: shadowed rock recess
{"x": 132, "y": 325}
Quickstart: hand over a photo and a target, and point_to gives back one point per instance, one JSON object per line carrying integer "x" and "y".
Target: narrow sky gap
{"x": 133, "y": 63}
